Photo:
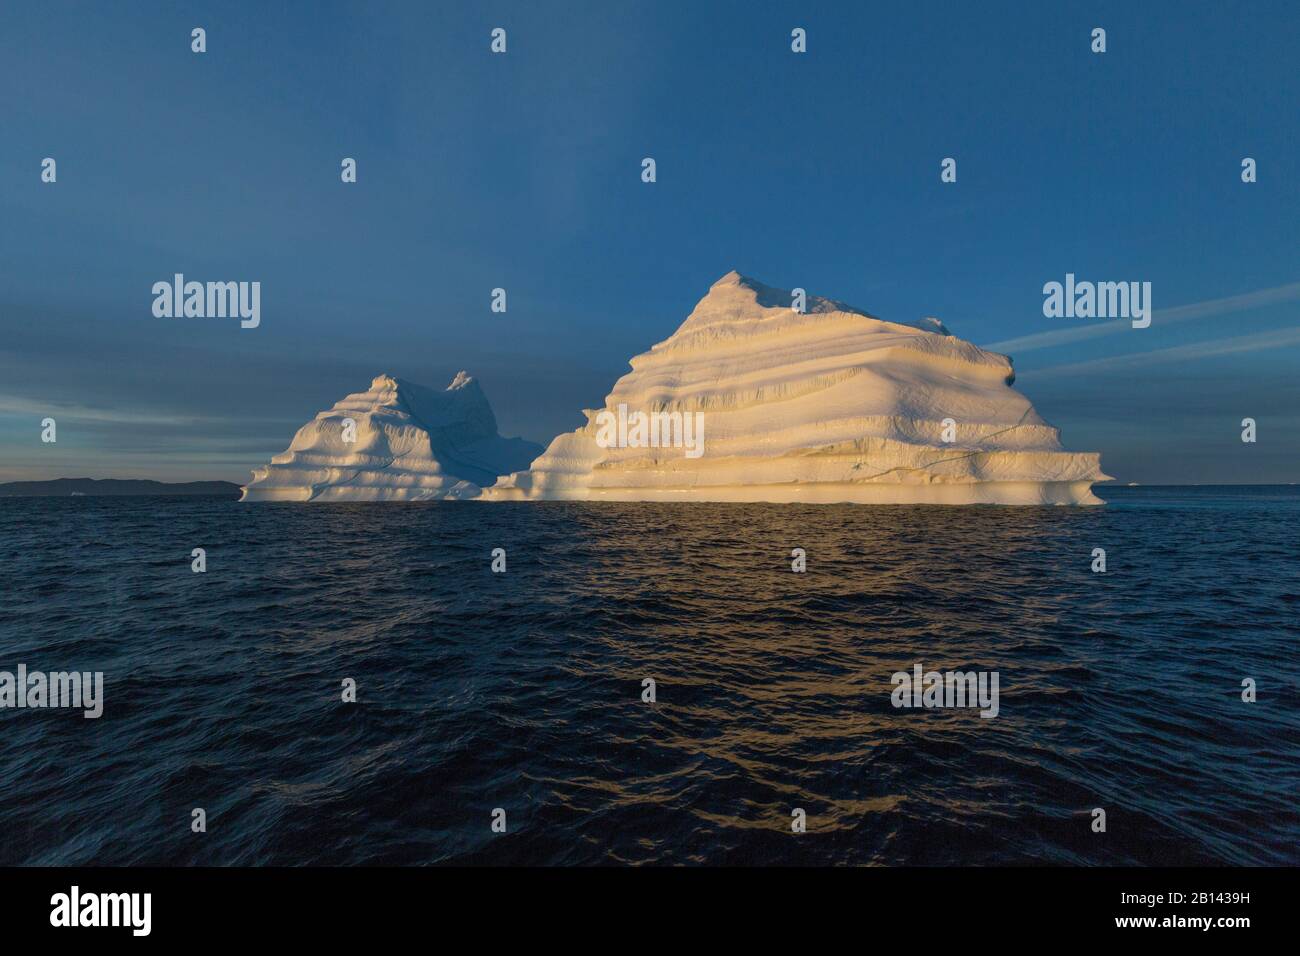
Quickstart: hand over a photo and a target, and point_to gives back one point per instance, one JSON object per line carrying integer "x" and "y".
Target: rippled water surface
{"x": 523, "y": 690}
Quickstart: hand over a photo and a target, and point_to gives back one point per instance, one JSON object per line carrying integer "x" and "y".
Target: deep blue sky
{"x": 523, "y": 171}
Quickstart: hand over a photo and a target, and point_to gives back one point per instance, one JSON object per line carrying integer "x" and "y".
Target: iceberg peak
{"x": 739, "y": 299}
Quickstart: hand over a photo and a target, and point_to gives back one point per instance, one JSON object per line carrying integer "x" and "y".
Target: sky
{"x": 523, "y": 171}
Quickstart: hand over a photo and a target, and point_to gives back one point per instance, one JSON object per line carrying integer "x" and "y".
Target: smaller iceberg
{"x": 396, "y": 441}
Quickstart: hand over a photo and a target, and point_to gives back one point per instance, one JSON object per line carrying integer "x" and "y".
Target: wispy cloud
{"x": 1161, "y": 317}
{"x": 18, "y": 405}
{"x": 1178, "y": 353}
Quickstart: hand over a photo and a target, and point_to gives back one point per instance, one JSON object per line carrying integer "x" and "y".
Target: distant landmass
{"x": 64, "y": 487}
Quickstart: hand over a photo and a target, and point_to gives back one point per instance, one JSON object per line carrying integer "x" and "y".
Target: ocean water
{"x": 523, "y": 690}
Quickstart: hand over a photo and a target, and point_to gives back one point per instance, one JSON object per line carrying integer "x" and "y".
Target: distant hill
{"x": 63, "y": 487}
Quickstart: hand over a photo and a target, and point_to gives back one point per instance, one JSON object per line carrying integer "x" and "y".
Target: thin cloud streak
{"x": 18, "y": 406}
{"x": 1179, "y": 353}
{"x": 1181, "y": 313}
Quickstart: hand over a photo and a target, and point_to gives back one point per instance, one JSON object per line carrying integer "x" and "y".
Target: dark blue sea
{"x": 523, "y": 690}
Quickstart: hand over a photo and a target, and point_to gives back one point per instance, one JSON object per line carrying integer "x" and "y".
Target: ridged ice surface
{"x": 405, "y": 442}
{"x": 826, "y": 405}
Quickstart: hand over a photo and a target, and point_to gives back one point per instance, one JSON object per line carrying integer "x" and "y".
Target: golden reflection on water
{"x": 773, "y": 687}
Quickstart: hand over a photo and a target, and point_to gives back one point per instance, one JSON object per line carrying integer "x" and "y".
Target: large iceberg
{"x": 820, "y": 404}
{"x": 394, "y": 442}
